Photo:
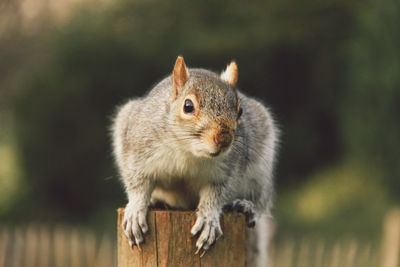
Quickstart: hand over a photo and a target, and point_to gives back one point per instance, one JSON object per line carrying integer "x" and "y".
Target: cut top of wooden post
{"x": 169, "y": 242}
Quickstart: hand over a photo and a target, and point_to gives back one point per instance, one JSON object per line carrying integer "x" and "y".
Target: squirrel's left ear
{"x": 180, "y": 76}
{"x": 230, "y": 75}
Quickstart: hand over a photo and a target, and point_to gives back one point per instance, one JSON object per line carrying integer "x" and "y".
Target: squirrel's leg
{"x": 208, "y": 216}
{"x": 134, "y": 223}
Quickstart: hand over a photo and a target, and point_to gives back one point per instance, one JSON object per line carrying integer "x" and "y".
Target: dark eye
{"x": 189, "y": 106}
{"x": 240, "y": 112}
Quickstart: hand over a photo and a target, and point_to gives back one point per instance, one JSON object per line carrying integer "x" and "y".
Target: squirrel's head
{"x": 206, "y": 109}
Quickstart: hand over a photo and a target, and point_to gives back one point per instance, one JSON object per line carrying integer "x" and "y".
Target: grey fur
{"x": 154, "y": 152}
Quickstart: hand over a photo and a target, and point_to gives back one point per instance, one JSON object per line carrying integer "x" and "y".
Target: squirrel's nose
{"x": 223, "y": 139}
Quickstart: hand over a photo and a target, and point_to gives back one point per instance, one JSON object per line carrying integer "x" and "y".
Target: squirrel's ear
{"x": 180, "y": 76}
{"x": 230, "y": 75}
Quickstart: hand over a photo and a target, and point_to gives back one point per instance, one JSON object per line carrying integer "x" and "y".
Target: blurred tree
{"x": 372, "y": 107}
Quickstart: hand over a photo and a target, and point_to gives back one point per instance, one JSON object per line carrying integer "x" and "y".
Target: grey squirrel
{"x": 195, "y": 141}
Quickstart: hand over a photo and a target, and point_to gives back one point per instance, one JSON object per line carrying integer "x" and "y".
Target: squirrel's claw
{"x": 204, "y": 250}
{"x": 202, "y": 254}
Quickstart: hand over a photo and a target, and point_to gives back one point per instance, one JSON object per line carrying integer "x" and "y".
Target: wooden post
{"x": 169, "y": 242}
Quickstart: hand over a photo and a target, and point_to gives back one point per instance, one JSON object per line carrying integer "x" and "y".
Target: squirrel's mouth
{"x": 215, "y": 154}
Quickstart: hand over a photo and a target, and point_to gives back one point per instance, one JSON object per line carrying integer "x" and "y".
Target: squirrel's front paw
{"x": 208, "y": 225}
{"x": 247, "y": 208}
{"x": 134, "y": 224}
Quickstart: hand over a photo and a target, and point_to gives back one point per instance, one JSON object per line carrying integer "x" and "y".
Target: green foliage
{"x": 372, "y": 102}
{"x": 332, "y": 201}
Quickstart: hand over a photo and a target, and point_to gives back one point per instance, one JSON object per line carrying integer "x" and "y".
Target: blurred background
{"x": 329, "y": 71}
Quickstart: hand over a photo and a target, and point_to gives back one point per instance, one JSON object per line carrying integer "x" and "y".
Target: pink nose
{"x": 223, "y": 139}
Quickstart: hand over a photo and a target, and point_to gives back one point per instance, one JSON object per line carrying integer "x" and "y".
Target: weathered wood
{"x": 169, "y": 242}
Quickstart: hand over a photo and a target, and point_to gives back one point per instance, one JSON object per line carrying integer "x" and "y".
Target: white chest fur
{"x": 167, "y": 164}
{"x": 179, "y": 176}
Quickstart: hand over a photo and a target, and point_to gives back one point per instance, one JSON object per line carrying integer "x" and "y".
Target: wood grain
{"x": 169, "y": 242}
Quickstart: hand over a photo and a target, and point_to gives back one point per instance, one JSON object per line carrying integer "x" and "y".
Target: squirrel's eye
{"x": 240, "y": 112}
{"x": 189, "y": 106}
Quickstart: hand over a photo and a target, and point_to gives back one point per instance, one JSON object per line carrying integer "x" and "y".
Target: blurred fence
{"x": 35, "y": 246}
{"x": 345, "y": 252}
{"x": 61, "y": 247}
{"x": 311, "y": 253}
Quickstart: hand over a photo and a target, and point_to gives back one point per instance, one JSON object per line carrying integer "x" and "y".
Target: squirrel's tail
{"x": 258, "y": 240}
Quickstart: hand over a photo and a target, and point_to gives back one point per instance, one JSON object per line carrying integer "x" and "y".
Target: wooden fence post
{"x": 169, "y": 242}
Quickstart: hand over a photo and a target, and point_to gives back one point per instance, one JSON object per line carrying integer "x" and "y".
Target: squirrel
{"x": 195, "y": 141}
